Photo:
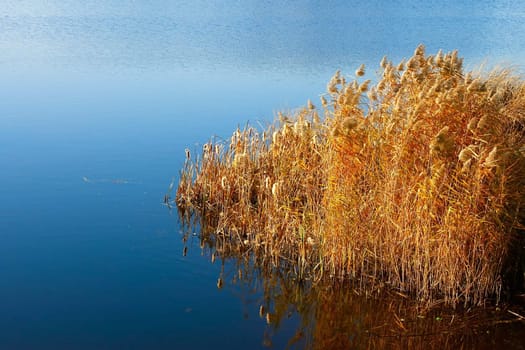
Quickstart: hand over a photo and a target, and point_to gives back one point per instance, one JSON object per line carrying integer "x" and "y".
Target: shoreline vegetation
{"x": 415, "y": 183}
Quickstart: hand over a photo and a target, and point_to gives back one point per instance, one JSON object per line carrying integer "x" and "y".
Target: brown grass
{"x": 416, "y": 182}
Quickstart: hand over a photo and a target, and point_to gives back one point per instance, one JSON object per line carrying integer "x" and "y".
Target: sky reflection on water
{"x": 293, "y": 37}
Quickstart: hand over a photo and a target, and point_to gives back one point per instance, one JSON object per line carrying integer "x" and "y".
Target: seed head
{"x": 239, "y": 159}
{"x": 384, "y": 62}
{"x": 275, "y": 189}
{"x": 364, "y": 86}
{"x": 454, "y": 57}
{"x": 466, "y": 166}
{"x": 267, "y": 182}
{"x": 315, "y": 118}
{"x": 467, "y": 153}
{"x": 405, "y": 76}
{"x": 310, "y": 105}
{"x": 349, "y": 123}
{"x": 472, "y": 124}
{"x": 372, "y": 94}
{"x": 412, "y": 63}
{"x": 331, "y": 87}
{"x": 297, "y": 128}
{"x": 442, "y": 134}
{"x": 275, "y": 137}
{"x": 483, "y": 122}
{"x": 218, "y": 149}
{"x": 492, "y": 159}
{"x": 474, "y": 86}
{"x": 439, "y": 58}
{"x": 337, "y": 76}
{"x": 286, "y": 129}
{"x": 442, "y": 143}
{"x": 420, "y": 50}
{"x": 360, "y": 71}
{"x": 498, "y": 95}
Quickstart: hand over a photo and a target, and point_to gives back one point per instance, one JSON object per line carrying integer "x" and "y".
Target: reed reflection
{"x": 334, "y": 315}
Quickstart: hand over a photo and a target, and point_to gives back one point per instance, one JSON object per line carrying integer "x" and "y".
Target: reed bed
{"x": 415, "y": 182}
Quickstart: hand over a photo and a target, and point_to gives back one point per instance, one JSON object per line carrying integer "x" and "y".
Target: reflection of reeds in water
{"x": 334, "y": 316}
{"x": 416, "y": 183}
{"x": 346, "y": 321}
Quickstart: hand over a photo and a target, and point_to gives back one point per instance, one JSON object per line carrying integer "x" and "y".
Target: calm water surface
{"x": 98, "y": 100}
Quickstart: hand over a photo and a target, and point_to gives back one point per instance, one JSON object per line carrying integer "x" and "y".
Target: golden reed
{"x": 416, "y": 183}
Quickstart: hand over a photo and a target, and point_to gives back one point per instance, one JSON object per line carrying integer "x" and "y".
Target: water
{"x": 98, "y": 101}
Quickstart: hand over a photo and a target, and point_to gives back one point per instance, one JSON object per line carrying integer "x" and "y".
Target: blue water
{"x": 99, "y": 99}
